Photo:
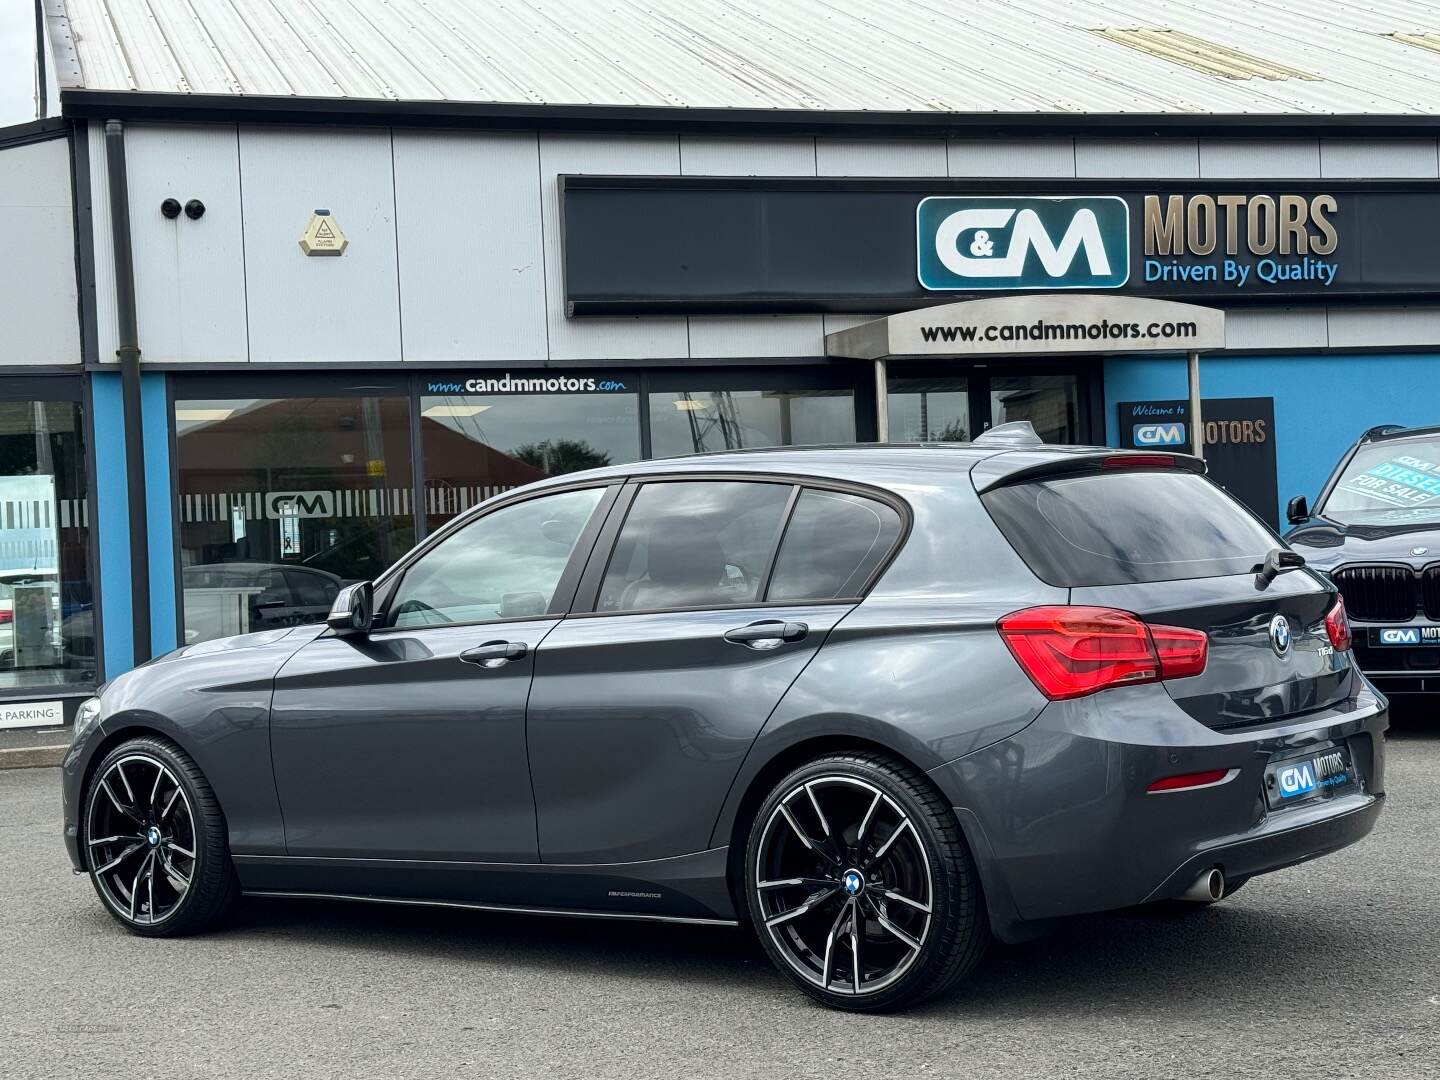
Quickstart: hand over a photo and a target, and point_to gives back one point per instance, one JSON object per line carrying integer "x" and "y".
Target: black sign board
{"x": 678, "y": 245}
{"x": 1239, "y": 443}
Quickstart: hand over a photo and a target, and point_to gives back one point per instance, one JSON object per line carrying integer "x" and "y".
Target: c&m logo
{"x": 1400, "y": 635}
{"x": 1296, "y": 780}
{"x": 300, "y": 504}
{"x": 1038, "y": 242}
{"x": 1172, "y": 434}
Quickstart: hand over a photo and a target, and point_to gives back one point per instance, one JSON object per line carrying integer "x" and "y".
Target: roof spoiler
{"x": 1018, "y": 466}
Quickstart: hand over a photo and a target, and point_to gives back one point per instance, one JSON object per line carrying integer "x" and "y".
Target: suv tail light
{"x": 1337, "y": 626}
{"x": 7, "y": 615}
{"x": 1072, "y": 651}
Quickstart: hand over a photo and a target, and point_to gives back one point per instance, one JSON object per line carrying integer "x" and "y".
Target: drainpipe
{"x": 42, "y": 91}
{"x": 129, "y": 356}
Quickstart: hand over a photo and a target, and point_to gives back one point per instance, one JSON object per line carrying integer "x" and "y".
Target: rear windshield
{"x": 1125, "y": 527}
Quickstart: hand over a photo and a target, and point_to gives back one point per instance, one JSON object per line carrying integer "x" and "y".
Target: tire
{"x": 151, "y": 822}
{"x": 921, "y": 924}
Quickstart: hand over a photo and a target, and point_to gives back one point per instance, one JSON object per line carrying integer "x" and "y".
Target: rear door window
{"x": 1119, "y": 528}
{"x": 695, "y": 544}
{"x": 833, "y": 545}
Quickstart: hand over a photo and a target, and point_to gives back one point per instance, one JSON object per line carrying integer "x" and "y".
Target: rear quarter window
{"x": 1121, "y": 528}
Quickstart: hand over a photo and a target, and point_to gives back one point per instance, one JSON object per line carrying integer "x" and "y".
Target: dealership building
{"x": 286, "y": 289}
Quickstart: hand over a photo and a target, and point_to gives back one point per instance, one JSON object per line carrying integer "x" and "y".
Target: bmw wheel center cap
{"x": 853, "y": 882}
{"x": 152, "y": 836}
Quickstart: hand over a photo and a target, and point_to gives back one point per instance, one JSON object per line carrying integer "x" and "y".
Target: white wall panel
{"x": 881, "y": 157}
{"x": 472, "y": 265}
{"x": 756, "y": 335}
{"x": 1379, "y": 158}
{"x": 107, "y": 338}
{"x": 601, "y": 339}
{"x": 702, "y": 156}
{"x": 1171, "y": 158}
{"x": 1276, "y": 328}
{"x": 1258, "y": 159}
{"x": 39, "y": 321}
{"x": 189, "y": 275}
{"x": 344, "y": 308}
{"x": 1012, "y": 157}
{"x": 1384, "y": 327}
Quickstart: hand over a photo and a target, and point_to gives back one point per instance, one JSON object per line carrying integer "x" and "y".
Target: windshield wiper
{"x": 1277, "y": 562}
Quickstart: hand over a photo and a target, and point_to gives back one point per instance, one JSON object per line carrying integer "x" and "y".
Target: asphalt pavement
{"x": 1331, "y": 969}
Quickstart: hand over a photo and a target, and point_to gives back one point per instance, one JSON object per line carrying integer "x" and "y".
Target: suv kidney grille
{"x": 1383, "y": 593}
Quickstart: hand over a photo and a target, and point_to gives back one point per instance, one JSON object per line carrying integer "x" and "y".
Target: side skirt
{"x": 686, "y": 887}
{"x": 470, "y": 905}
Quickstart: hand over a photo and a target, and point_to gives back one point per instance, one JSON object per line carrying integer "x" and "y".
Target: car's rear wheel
{"x": 155, "y": 841}
{"x": 860, "y": 885}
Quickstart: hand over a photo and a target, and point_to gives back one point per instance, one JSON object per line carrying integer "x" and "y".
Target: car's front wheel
{"x": 155, "y": 841}
{"x": 860, "y": 885}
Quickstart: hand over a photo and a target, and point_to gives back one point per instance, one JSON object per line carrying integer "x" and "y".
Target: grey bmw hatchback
{"x": 881, "y": 703}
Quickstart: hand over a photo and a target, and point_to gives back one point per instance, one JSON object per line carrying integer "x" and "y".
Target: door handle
{"x": 494, "y": 654}
{"x": 767, "y": 634}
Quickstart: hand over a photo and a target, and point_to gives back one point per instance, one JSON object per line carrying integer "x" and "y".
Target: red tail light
{"x": 7, "y": 615}
{"x": 1337, "y": 626}
{"x": 1070, "y": 652}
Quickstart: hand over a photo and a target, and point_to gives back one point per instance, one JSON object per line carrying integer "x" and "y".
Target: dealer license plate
{"x": 1319, "y": 776}
{"x": 1405, "y": 635}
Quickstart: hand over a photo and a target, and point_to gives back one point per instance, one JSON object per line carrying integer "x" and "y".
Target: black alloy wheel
{"x": 860, "y": 885}
{"x": 155, "y": 841}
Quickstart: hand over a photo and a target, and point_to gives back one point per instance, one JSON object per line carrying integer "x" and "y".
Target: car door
{"x": 645, "y": 704}
{"x": 409, "y": 742}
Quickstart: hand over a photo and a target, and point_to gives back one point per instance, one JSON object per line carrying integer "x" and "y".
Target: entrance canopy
{"x": 1041, "y": 323}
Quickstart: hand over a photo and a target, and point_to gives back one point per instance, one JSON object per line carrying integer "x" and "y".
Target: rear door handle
{"x": 767, "y": 634}
{"x": 494, "y": 654}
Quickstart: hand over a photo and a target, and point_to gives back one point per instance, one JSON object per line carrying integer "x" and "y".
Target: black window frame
{"x": 587, "y": 595}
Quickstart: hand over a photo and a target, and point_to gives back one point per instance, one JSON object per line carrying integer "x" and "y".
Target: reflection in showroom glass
{"x": 479, "y": 445}
{"x": 283, "y": 501}
{"x": 693, "y": 422}
{"x": 47, "y": 614}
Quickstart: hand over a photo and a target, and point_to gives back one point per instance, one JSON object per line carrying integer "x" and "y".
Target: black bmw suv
{"x": 1375, "y": 530}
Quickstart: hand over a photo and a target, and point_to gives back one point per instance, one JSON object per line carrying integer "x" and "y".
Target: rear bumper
{"x": 1283, "y": 843}
{"x": 1061, "y": 823}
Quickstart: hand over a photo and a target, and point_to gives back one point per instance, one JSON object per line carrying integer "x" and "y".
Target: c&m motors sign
{"x": 1036, "y": 242}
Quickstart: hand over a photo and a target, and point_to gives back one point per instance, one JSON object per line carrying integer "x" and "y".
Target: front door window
{"x": 503, "y": 566}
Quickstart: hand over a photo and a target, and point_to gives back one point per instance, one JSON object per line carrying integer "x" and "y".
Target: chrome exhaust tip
{"x": 1207, "y": 888}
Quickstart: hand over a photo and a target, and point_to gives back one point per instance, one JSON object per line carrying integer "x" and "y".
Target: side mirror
{"x": 353, "y": 610}
{"x": 1297, "y": 510}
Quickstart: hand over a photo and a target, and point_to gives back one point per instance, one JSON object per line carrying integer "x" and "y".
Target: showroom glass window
{"x": 698, "y": 421}
{"x": 47, "y": 612}
{"x": 1049, "y": 402}
{"x": 522, "y": 429}
{"x": 930, "y": 410}
{"x": 284, "y": 500}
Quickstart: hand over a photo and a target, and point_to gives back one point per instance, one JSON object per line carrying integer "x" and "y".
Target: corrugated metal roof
{"x": 986, "y": 56}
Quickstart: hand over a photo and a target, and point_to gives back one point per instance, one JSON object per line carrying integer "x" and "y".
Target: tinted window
{"x": 833, "y": 544}
{"x": 311, "y": 590}
{"x": 1116, "y": 528}
{"x": 698, "y": 544}
{"x": 505, "y": 565}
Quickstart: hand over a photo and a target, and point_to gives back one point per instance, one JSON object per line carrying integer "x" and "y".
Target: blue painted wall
{"x": 112, "y": 519}
{"x": 1322, "y": 403}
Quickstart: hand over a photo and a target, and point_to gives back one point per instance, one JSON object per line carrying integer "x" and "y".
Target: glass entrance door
{"x": 950, "y": 406}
